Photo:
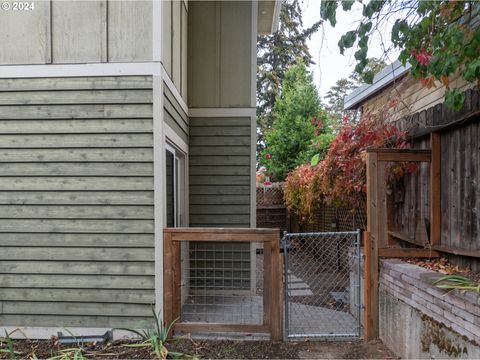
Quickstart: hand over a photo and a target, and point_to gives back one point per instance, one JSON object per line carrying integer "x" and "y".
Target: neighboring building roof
{"x": 268, "y": 16}
{"x": 384, "y": 78}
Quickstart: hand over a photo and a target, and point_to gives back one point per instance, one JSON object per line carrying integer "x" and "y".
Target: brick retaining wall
{"x": 457, "y": 312}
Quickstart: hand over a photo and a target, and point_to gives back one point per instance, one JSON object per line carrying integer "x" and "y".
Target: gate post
{"x": 276, "y": 300}
{"x": 371, "y": 250}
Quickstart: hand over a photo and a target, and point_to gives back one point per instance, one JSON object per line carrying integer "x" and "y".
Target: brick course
{"x": 413, "y": 285}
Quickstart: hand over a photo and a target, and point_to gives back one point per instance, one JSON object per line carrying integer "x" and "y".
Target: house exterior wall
{"x": 220, "y": 54}
{"x": 407, "y": 96}
{"x": 83, "y": 153}
{"x": 175, "y": 43}
{"x": 76, "y": 201}
{"x": 220, "y": 172}
{"x": 97, "y": 31}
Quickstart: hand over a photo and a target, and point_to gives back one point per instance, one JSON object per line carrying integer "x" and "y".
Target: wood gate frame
{"x": 273, "y": 278}
{"x": 378, "y": 240}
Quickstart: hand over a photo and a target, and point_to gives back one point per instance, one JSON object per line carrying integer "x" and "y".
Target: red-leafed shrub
{"x": 340, "y": 178}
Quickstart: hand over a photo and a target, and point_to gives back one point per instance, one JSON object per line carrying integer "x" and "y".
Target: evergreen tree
{"x": 275, "y": 53}
{"x": 300, "y": 127}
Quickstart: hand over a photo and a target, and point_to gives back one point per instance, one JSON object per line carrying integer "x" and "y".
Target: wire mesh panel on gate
{"x": 322, "y": 284}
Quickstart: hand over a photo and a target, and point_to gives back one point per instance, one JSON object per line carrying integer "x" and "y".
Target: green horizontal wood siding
{"x": 76, "y": 201}
{"x": 220, "y": 172}
{"x": 174, "y": 115}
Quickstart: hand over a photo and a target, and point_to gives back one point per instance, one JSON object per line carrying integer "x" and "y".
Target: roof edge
{"x": 382, "y": 79}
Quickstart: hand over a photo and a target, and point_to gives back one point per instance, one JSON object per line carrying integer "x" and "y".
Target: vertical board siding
{"x": 79, "y": 31}
{"x": 76, "y": 201}
{"x": 220, "y": 53}
{"x": 219, "y": 172}
{"x": 25, "y": 35}
{"x": 130, "y": 31}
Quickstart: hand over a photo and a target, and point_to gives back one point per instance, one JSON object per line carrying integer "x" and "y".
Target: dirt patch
{"x": 210, "y": 349}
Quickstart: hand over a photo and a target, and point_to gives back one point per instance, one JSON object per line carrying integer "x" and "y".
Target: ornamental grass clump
{"x": 457, "y": 282}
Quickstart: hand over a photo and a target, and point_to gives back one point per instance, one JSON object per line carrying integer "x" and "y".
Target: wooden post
{"x": 435, "y": 190}
{"x": 177, "y": 293}
{"x": 168, "y": 288}
{"x": 371, "y": 250}
{"x": 381, "y": 211}
{"x": 276, "y": 301}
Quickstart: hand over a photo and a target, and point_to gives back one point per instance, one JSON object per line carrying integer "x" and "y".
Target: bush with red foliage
{"x": 340, "y": 178}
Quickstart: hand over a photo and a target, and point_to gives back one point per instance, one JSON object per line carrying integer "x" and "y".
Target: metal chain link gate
{"x": 322, "y": 284}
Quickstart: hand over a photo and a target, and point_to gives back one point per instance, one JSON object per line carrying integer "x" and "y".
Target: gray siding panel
{"x": 220, "y": 172}
{"x": 76, "y": 201}
{"x": 174, "y": 115}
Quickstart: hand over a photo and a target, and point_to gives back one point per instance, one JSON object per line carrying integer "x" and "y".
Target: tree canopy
{"x": 438, "y": 38}
{"x": 300, "y": 127}
{"x": 275, "y": 53}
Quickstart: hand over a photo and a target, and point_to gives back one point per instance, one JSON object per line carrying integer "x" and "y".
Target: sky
{"x": 330, "y": 64}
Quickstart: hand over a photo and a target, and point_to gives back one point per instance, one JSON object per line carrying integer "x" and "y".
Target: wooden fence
{"x": 436, "y": 211}
{"x": 456, "y": 143}
{"x": 272, "y": 278}
{"x": 273, "y": 213}
{"x": 271, "y": 209}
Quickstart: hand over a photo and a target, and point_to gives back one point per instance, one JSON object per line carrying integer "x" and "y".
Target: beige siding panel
{"x": 130, "y": 30}
{"x": 167, "y": 36}
{"x": 74, "y": 141}
{"x": 236, "y": 54}
{"x": 76, "y": 97}
{"x": 25, "y": 35}
{"x": 75, "y": 183}
{"x": 77, "y": 240}
{"x": 82, "y": 155}
{"x": 176, "y": 43}
{"x": 75, "y": 212}
{"x": 59, "y": 254}
{"x": 76, "y": 226}
{"x": 203, "y": 59}
{"x": 75, "y": 267}
{"x": 75, "y": 169}
{"x": 412, "y": 97}
{"x": 78, "y": 295}
{"x": 75, "y": 126}
{"x": 77, "y": 83}
{"x": 79, "y": 31}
